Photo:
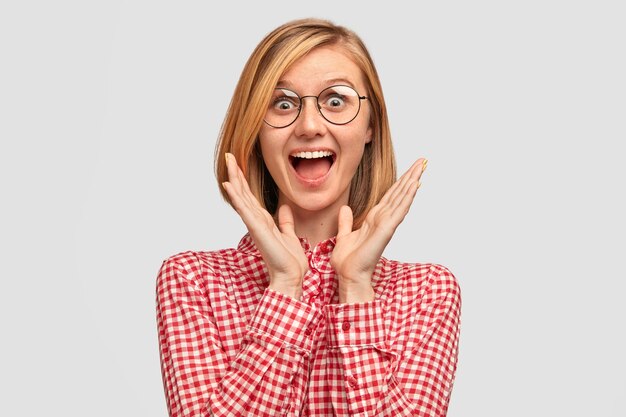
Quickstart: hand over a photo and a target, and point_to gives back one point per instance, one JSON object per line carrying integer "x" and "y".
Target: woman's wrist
{"x": 294, "y": 292}
{"x": 362, "y": 292}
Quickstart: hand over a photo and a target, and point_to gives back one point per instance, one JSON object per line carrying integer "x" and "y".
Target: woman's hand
{"x": 357, "y": 252}
{"x": 279, "y": 246}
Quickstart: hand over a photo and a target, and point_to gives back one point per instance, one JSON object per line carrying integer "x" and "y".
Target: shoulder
{"x": 442, "y": 282}
{"x": 195, "y": 260}
{"x": 426, "y": 277}
{"x": 195, "y": 266}
{"x": 183, "y": 261}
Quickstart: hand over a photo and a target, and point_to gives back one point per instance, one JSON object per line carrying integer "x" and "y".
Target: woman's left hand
{"x": 357, "y": 252}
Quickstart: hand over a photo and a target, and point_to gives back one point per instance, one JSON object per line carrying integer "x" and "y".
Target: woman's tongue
{"x": 312, "y": 168}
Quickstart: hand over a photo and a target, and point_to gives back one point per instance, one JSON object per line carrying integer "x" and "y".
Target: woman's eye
{"x": 284, "y": 104}
{"x": 335, "y": 101}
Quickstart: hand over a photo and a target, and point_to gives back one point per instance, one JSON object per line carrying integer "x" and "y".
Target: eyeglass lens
{"x": 338, "y": 104}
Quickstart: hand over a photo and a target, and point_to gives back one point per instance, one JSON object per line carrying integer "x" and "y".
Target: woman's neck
{"x": 316, "y": 226}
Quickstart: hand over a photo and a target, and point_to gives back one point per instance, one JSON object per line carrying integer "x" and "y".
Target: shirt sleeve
{"x": 376, "y": 378}
{"x": 263, "y": 379}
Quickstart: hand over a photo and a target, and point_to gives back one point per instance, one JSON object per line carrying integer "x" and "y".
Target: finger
{"x": 397, "y": 205}
{"x": 240, "y": 195}
{"x": 258, "y": 221}
{"x": 245, "y": 188}
{"x": 344, "y": 222}
{"x": 404, "y": 204}
{"x": 244, "y": 180}
{"x": 413, "y": 178}
{"x": 285, "y": 220}
{"x": 408, "y": 182}
{"x": 239, "y": 203}
{"x": 391, "y": 192}
{"x": 399, "y": 187}
{"x": 233, "y": 176}
{"x": 235, "y": 198}
{"x": 414, "y": 173}
{"x": 239, "y": 182}
{"x": 231, "y": 167}
{"x": 417, "y": 174}
{"x": 234, "y": 189}
{"x": 246, "y": 191}
{"x": 392, "y": 216}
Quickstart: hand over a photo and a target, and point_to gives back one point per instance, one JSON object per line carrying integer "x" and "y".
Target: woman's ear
{"x": 369, "y": 133}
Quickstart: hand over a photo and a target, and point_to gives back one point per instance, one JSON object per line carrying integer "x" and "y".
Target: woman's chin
{"x": 314, "y": 206}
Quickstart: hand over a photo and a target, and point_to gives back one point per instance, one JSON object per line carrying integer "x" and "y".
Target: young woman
{"x": 305, "y": 317}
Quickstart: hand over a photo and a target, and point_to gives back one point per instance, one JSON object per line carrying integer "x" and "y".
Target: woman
{"x": 305, "y": 317}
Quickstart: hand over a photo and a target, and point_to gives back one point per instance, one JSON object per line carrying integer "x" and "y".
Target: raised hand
{"x": 357, "y": 252}
{"x": 280, "y": 247}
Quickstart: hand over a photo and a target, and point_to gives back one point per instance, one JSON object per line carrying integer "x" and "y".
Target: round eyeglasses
{"x": 339, "y": 104}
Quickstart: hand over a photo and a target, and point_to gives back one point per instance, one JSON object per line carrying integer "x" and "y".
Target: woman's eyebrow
{"x": 339, "y": 81}
{"x": 284, "y": 84}
{"x": 332, "y": 81}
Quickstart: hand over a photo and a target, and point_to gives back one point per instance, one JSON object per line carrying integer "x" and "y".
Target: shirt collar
{"x": 325, "y": 247}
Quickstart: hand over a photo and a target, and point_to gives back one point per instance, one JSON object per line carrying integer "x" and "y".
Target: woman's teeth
{"x": 312, "y": 155}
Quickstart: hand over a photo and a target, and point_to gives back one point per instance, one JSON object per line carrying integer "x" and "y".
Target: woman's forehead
{"x": 339, "y": 80}
{"x": 322, "y": 67}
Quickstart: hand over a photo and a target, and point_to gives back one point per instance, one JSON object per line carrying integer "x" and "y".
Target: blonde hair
{"x": 270, "y": 59}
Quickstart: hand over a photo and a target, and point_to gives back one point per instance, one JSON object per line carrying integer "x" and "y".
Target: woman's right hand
{"x": 280, "y": 247}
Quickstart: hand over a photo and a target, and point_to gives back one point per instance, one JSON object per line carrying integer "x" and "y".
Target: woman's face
{"x": 321, "y": 179}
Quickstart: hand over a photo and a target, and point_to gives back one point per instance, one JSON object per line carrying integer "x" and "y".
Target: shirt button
{"x": 351, "y": 381}
{"x": 346, "y": 325}
{"x": 308, "y": 331}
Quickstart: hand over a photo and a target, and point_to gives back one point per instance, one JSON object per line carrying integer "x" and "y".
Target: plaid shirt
{"x": 231, "y": 347}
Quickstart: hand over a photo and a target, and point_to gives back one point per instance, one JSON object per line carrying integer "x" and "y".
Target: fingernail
{"x": 227, "y": 156}
{"x": 424, "y": 165}
{"x": 223, "y": 185}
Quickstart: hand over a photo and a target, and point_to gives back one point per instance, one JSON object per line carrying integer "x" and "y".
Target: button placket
{"x": 311, "y": 284}
{"x": 352, "y": 382}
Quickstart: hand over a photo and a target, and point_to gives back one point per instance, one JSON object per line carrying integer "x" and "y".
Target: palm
{"x": 279, "y": 246}
{"x": 281, "y": 250}
{"x": 357, "y": 252}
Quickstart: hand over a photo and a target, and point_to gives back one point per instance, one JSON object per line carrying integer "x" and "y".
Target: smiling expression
{"x": 313, "y": 161}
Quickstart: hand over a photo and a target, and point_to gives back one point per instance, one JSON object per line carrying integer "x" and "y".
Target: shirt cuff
{"x": 356, "y": 324}
{"x": 286, "y": 319}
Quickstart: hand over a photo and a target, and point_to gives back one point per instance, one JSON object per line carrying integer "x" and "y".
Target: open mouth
{"x": 312, "y": 165}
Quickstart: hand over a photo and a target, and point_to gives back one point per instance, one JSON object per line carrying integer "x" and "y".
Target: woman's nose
{"x": 310, "y": 121}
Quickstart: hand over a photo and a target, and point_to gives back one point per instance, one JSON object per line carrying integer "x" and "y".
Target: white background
{"x": 109, "y": 112}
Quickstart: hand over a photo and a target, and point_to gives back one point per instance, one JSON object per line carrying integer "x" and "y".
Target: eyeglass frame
{"x": 319, "y": 108}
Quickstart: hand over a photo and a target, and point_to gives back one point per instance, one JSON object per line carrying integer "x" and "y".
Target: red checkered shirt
{"x": 229, "y": 346}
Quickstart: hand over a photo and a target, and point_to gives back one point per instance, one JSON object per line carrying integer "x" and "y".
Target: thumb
{"x": 344, "y": 225}
{"x": 285, "y": 220}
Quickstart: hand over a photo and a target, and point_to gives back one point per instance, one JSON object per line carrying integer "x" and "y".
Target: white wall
{"x": 109, "y": 112}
